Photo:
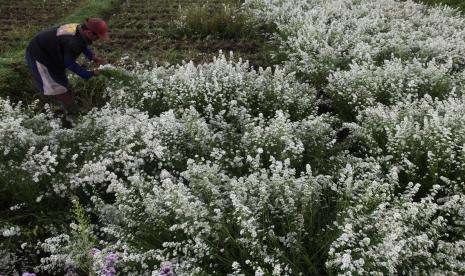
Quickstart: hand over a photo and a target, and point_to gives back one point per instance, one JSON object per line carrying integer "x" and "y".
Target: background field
{"x": 141, "y": 30}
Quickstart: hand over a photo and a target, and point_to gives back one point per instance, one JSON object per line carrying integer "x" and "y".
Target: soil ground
{"x": 144, "y": 30}
{"x": 18, "y": 18}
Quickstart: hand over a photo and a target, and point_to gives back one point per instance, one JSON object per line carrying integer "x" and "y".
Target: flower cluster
{"x": 393, "y": 72}
{"x": 403, "y": 235}
{"x": 424, "y": 138}
{"x": 320, "y": 36}
{"x": 214, "y": 87}
{"x": 174, "y": 171}
{"x": 365, "y": 84}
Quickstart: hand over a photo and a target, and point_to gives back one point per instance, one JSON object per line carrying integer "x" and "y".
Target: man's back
{"x": 49, "y": 47}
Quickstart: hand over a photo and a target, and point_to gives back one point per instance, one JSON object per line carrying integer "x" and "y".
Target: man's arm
{"x": 88, "y": 53}
{"x": 92, "y": 57}
{"x": 76, "y": 68}
{"x": 71, "y": 52}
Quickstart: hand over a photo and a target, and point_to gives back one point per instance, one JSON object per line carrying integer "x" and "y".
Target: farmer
{"x": 52, "y": 51}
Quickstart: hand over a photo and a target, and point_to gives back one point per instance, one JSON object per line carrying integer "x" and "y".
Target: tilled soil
{"x": 19, "y": 17}
{"x": 142, "y": 29}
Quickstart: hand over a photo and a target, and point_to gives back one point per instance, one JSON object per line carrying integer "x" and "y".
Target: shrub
{"x": 424, "y": 138}
{"x": 227, "y": 20}
{"x": 365, "y": 85}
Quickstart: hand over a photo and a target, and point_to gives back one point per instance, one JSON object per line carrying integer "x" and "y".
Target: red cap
{"x": 99, "y": 27}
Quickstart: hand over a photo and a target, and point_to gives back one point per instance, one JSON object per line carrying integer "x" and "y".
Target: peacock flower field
{"x": 346, "y": 158}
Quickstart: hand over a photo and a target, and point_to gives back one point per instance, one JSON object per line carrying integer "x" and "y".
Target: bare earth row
{"x": 19, "y": 17}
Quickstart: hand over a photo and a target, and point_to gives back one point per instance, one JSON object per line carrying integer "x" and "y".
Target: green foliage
{"x": 460, "y": 4}
{"x": 91, "y": 8}
{"x": 226, "y": 21}
{"x": 117, "y": 74}
{"x": 83, "y": 239}
{"x": 15, "y": 80}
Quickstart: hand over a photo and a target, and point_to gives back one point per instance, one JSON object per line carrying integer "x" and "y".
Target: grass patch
{"x": 227, "y": 21}
{"x": 15, "y": 81}
{"x": 460, "y": 4}
{"x": 92, "y": 8}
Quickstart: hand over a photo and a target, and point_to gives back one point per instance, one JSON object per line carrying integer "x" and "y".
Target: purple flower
{"x": 111, "y": 258}
{"x": 166, "y": 270}
{"x": 28, "y": 274}
{"x": 109, "y": 268}
{"x": 96, "y": 251}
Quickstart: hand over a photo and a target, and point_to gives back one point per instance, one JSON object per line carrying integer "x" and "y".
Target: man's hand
{"x": 99, "y": 61}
